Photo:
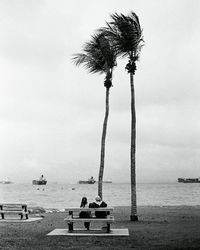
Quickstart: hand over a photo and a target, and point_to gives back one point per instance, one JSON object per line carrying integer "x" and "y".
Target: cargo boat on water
{"x": 107, "y": 181}
{"x": 6, "y": 181}
{"x": 91, "y": 180}
{"x": 41, "y": 181}
{"x": 189, "y": 180}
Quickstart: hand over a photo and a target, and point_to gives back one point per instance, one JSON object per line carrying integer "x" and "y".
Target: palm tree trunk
{"x": 103, "y": 139}
{"x": 133, "y": 216}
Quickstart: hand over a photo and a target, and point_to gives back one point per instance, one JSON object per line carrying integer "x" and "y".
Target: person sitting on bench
{"x": 98, "y": 203}
{"x": 85, "y": 214}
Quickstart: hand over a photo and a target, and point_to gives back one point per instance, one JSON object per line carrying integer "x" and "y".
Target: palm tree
{"x": 126, "y": 34}
{"x": 99, "y": 56}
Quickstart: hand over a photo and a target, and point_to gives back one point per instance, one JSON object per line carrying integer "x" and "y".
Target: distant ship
{"x": 6, "y": 181}
{"x": 41, "y": 181}
{"x": 189, "y": 180}
{"x": 91, "y": 180}
{"x": 107, "y": 181}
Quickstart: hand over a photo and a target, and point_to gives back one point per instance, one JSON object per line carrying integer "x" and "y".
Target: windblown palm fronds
{"x": 126, "y": 34}
{"x": 98, "y": 55}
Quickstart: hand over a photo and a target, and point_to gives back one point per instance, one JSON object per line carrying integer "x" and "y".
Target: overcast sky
{"x": 51, "y": 112}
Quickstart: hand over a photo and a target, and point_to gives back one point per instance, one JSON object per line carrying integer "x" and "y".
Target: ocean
{"x": 60, "y": 195}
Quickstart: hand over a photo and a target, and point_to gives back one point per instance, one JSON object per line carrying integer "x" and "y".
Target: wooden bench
{"x": 74, "y": 216}
{"x": 8, "y": 208}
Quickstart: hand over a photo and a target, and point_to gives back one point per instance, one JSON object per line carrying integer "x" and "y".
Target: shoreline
{"x": 38, "y": 209}
{"x": 166, "y": 227}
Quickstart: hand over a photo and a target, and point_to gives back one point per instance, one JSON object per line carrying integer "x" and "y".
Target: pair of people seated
{"x": 96, "y": 204}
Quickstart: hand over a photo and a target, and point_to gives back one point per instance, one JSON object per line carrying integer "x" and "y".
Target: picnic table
{"x": 13, "y": 208}
{"x": 73, "y": 216}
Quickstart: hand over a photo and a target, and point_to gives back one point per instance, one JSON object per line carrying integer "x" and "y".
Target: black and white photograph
{"x": 99, "y": 124}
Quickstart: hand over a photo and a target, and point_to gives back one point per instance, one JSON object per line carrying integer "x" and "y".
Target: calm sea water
{"x": 57, "y": 195}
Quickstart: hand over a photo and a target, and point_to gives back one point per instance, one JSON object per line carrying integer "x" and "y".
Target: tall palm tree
{"x": 99, "y": 56}
{"x": 126, "y": 34}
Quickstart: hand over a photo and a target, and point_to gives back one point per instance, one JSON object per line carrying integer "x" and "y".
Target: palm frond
{"x": 79, "y": 58}
{"x": 98, "y": 55}
{"x": 126, "y": 32}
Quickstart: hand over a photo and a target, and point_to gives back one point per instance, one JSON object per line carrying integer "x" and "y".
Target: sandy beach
{"x": 175, "y": 227}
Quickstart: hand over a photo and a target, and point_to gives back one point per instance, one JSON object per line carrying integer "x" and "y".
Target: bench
{"x": 8, "y": 208}
{"x": 74, "y": 216}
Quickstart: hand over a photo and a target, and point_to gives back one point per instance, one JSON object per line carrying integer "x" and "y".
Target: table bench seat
{"x": 20, "y": 209}
{"x": 12, "y": 212}
{"x": 109, "y": 219}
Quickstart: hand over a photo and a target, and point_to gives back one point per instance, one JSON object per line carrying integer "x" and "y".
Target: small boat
{"x": 189, "y": 180}
{"x": 6, "y": 181}
{"x": 91, "y": 180}
{"x": 107, "y": 181}
{"x": 41, "y": 181}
